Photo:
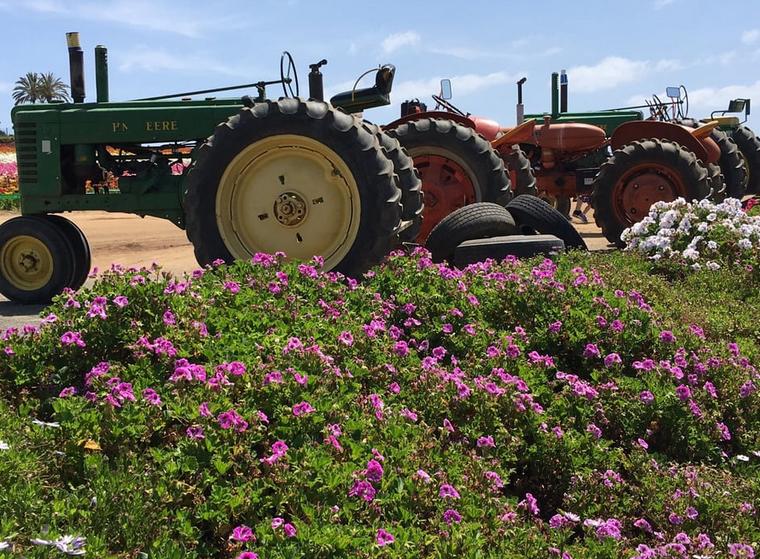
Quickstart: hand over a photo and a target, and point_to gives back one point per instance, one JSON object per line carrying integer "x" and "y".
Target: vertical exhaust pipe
{"x": 76, "y": 67}
{"x": 520, "y": 106}
{"x": 563, "y": 91}
{"x": 555, "y": 94}
{"x": 101, "y": 73}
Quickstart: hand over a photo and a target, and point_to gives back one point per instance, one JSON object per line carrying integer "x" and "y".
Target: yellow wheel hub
{"x": 292, "y": 194}
{"x": 26, "y": 263}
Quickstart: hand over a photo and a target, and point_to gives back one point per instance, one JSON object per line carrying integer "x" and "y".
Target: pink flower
{"x": 195, "y": 432}
{"x": 232, "y": 419}
{"x": 168, "y": 318}
{"x": 374, "y": 471}
{"x": 289, "y": 530}
{"x": 384, "y": 538}
{"x": 151, "y": 396}
{"x": 346, "y": 338}
{"x": 423, "y": 476}
{"x": 120, "y": 301}
{"x": 72, "y": 338}
{"x": 247, "y": 555}
{"x": 667, "y": 337}
{"x": 302, "y": 408}
{"x": 277, "y": 522}
{"x": 448, "y": 492}
{"x": 203, "y": 410}
{"x": 452, "y": 516}
{"x": 683, "y": 392}
{"x": 612, "y": 359}
{"x": 591, "y": 350}
{"x": 725, "y": 434}
{"x": 66, "y": 392}
{"x": 242, "y": 533}
{"x": 486, "y": 442}
{"x": 646, "y": 397}
{"x": 741, "y": 550}
{"x": 642, "y": 524}
{"x": 530, "y": 504}
{"x": 642, "y": 443}
{"x": 594, "y": 430}
{"x": 363, "y": 489}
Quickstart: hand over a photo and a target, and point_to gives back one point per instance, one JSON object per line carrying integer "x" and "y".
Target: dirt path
{"x": 133, "y": 241}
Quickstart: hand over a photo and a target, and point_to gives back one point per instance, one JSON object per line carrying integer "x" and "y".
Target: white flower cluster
{"x": 699, "y": 234}
{"x": 7, "y": 157}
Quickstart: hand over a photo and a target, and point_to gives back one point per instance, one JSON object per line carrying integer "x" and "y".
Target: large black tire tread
{"x": 56, "y": 241}
{"x": 749, "y": 144}
{"x": 408, "y": 181}
{"x": 731, "y": 165}
{"x": 534, "y": 214}
{"x": 498, "y": 248}
{"x": 80, "y": 247}
{"x": 483, "y": 162}
{"x": 525, "y": 179}
{"x": 475, "y": 221}
{"x": 718, "y": 186}
{"x": 695, "y": 177}
{"x": 345, "y": 134}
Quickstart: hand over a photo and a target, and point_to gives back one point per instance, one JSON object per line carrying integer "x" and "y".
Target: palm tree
{"x": 52, "y": 88}
{"x": 27, "y": 89}
{"x": 35, "y": 87}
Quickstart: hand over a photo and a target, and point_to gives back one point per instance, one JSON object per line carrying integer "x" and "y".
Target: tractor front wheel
{"x": 298, "y": 177}
{"x": 640, "y": 174}
{"x": 36, "y": 260}
{"x": 457, "y": 166}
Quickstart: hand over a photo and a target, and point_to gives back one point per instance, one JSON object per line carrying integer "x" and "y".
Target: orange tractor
{"x": 625, "y": 162}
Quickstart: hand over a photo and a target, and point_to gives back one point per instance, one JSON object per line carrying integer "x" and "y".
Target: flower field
{"x": 8, "y": 170}
{"x": 581, "y": 408}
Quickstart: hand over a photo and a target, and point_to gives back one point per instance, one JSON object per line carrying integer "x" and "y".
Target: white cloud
{"x": 462, "y": 85}
{"x": 394, "y": 42}
{"x": 155, "y": 60}
{"x": 5, "y": 87}
{"x": 145, "y": 14}
{"x": 750, "y": 37}
{"x": 660, "y": 4}
{"x": 614, "y": 71}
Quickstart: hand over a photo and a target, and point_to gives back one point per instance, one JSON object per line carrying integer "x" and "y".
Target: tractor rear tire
{"x": 731, "y": 165}
{"x": 749, "y": 145}
{"x": 475, "y": 221}
{"x": 718, "y": 186}
{"x": 664, "y": 169}
{"x": 534, "y": 215}
{"x": 409, "y": 182}
{"x": 457, "y": 166}
{"x": 36, "y": 260}
{"x": 294, "y": 176}
{"x": 524, "y": 179}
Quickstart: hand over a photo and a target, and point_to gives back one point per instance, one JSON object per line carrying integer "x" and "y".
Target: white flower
{"x": 702, "y": 227}
{"x": 711, "y": 265}
{"x": 691, "y": 254}
{"x": 712, "y": 245}
{"x": 744, "y": 244}
{"x": 51, "y": 424}
{"x": 4, "y": 445}
{"x": 4, "y": 545}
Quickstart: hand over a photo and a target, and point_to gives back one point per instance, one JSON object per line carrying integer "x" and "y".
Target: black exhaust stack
{"x": 76, "y": 67}
{"x": 316, "y": 83}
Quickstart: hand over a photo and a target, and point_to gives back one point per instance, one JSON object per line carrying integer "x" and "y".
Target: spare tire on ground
{"x": 498, "y": 248}
{"x": 534, "y": 215}
{"x": 476, "y": 221}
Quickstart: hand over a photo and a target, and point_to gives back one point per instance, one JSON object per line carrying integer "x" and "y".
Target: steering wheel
{"x": 685, "y": 103}
{"x": 285, "y": 75}
{"x": 440, "y": 101}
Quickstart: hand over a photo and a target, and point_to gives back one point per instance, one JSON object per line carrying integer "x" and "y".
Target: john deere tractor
{"x": 241, "y": 175}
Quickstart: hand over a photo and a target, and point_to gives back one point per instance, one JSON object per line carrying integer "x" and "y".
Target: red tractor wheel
{"x": 457, "y": 167}
{"x": 640, "y": 174}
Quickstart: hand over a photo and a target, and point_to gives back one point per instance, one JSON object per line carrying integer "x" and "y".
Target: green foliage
{"x": 589, "y": 384}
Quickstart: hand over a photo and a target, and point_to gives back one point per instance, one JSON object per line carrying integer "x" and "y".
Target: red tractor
{"x": 628, "y": 163}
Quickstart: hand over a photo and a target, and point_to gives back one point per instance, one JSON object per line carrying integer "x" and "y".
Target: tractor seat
{"x": 376, "y": 96}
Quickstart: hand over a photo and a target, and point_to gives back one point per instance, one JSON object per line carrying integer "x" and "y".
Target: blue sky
{"x": 616, "y": 53}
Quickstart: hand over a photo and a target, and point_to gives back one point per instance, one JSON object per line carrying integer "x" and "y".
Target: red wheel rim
{"x": 446, "y": 186}
{"x": 643, "y": 185}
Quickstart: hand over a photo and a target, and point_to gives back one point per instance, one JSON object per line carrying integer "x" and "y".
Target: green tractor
{"x": 241, "y": 175}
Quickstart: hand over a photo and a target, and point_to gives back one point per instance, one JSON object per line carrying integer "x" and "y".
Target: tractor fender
{"x": 486, "y": 127}
{"x": 705, "y": 148}
{"x": 442, "y": 115}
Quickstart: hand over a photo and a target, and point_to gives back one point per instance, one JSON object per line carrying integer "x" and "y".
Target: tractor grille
{"x": 26, "y": 151}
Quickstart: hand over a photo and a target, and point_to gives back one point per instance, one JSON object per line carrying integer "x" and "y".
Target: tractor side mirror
{"x": 736, "y": 105}
{"x": 446, "y": 89}
{"x": 673, "y": 92}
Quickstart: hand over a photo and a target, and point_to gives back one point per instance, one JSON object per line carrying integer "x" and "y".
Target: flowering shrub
{"x": 697, "y": 234}
{"x": 269, "y": 410}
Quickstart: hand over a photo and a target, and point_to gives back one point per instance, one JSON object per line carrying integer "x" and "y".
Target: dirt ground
{"x": 133, "y": 241}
